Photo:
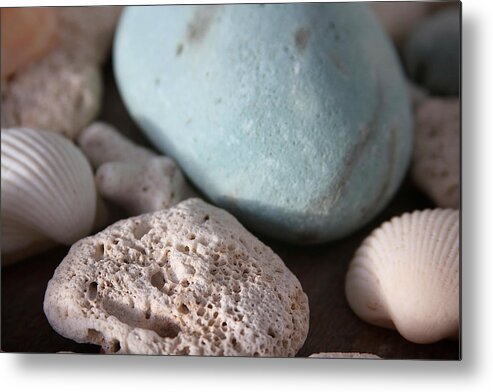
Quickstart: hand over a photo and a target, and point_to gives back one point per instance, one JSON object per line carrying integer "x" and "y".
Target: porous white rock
{"x": 338, "y": 355}
{"x": 189, "y": 280}
{"x": 62, "y": 91}
{"x": 60, "y": 98}
{"x": 436, "y": 157}
{"x": 102, "y": 143}
{"x": 130, "y": 175}
{"x": 142, "y": 187}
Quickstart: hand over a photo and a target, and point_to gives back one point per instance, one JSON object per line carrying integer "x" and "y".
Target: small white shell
{"x": 405, "y": 275}
{"x": 48, "y": 192}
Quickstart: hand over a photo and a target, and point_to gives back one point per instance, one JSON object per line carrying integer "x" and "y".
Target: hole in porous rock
{"x": 216, "y": 297}
{"x": 184, "y": 351}
{"x": 183, "y": 309}
{"x": 115, "y": 346}
{"x": 206, "y": 218}
{"x": 141, "y": 229}
{"x": 135, "y": 318}
{"x": 271, "y": 333}
{"x": 92, "y": 291}
{"x": 157, "y": 280}
{"x": 94, "y": 336}
{"x": 98, "y": 255}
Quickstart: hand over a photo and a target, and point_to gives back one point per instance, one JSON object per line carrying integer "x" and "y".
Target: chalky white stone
{"x": 189, "y": 280}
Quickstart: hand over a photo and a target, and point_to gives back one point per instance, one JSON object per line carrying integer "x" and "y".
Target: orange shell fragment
{"x": 27, "y": 35}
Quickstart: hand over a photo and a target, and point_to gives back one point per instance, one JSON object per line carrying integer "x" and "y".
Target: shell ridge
{"x": 48, "y": 189}
{"x": 415, "y": 257}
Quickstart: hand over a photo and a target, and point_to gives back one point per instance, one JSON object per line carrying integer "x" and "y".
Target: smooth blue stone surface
{"x": 293, "y": 117}
{"x": 432, "y": 53}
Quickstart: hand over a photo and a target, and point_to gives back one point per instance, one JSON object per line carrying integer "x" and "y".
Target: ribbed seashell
{"x": 48, "y": 192}
{"x": 405, "y": 276}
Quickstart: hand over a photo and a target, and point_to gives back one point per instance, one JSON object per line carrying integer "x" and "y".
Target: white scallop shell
{"x": 48, "y": 191}
{"x": 405, "y": 275}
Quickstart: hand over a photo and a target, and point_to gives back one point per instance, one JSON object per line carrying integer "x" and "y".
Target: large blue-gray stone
{"x": 293, "y": 117}
{"x": 432, "y": 52}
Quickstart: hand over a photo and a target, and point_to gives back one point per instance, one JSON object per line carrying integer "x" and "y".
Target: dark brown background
{"x": 320, "y": 269}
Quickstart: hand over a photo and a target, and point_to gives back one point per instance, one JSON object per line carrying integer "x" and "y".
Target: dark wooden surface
{"x": 320, "y": 269}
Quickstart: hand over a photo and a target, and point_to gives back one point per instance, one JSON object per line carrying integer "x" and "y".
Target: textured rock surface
{"x": 345, "y": 356}
{"x": 187, "y": 281}
{"x": 432, "y": 52}
{"x": 102, "y": 143}
{"x": 62, "y": 91}
{"x": 436, "y": 158}
{"x": 134, "y": 177}
{"x": 304, "y": 137}
{"x": 142, "y": 187}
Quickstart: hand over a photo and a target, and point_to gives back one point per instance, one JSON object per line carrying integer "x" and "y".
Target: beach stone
{"x": 294, "y": 117}
{"x": 432, "y": 52}
{"x": 399, "y": 17}
{"x": 190, "y": 280}
{"x": 435, "y": 165}
{"x": 62, "y": 91}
